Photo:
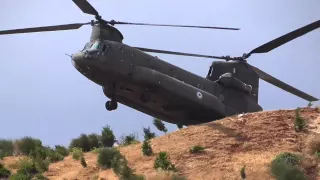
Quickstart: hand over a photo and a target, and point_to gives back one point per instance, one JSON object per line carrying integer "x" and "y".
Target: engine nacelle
{"x": 228, "y": 80}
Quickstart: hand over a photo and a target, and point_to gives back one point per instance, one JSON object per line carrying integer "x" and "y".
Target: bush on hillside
{"x": 129, "y": 139}
{"x": 93, "y": 140}
{"x": 28, "y": 168}
{"x": 28, "y": 144}
{"x": 107, "y": 137}
{"x": 106, "y": 156}
{"x": 77, "y": 153}
{"x": 159, "y": 125}
{"x": 86, "y": 143}
{"x": 4, "y": 172}
{"x": 162, "y": 162}
{"x": 6, "y": 148}
{"x": 148, "y": 134}
{"x": 299, "y": 122}
{"x": 146, "y": 148}
{"x": 61, "y": 150}
{"x": 196, "y": 149}
{"x": 286, "y": 166}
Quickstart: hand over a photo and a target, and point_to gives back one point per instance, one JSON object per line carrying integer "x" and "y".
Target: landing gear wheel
{"x": 111, "y": 105}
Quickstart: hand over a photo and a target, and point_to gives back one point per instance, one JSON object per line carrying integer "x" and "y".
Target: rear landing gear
{"x": 111, "y": 105}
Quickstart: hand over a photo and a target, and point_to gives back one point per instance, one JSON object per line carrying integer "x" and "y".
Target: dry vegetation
{"x": 216, "y": 150}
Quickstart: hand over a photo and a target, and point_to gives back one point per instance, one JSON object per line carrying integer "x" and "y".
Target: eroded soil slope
{"x": 251, "y": 139}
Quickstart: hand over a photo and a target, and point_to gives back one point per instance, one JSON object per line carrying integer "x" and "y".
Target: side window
{"x": 210, "y": 72}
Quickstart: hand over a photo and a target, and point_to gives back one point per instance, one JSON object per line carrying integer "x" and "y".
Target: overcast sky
{"x": 43, "y": 96}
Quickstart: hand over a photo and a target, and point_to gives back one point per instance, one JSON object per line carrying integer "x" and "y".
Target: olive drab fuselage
{"x": 157, "y": 88}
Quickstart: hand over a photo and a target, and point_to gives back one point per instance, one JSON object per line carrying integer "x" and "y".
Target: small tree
{"x": 93, "y": 140}
{"x": 162, "y": 161}
{"x": 146, "y": 148}
{"x": 61, "y": 150}
{"x": 299, "y": 122}
{"x": 159, "y": 125}
{"x": 4, "y": 172}
{"x": 129, "y": 139}
{"x": 6, "y": 148}
{"x": 148, "y": 134}
{"x": 107, "y": 137}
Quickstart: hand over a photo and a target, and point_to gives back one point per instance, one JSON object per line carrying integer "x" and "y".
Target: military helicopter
{"x": 134, "y": 78}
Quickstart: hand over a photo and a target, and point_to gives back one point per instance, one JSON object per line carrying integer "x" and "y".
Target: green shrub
{"x": 27, "y": 167}
{"x": 243, "y": 172}
{"x": 163, "y": 162}
{"x": 148, "y": 134}
{"x": 196, "y": 149}
{"x": 77, "y": 153}
{"x": 54, "y": 156}
{"x": 107, "y": 137}
{"x": 6, "y": 148}
{"x": 159, "y": 125}
{"x": 299, "y": 122}
{"x": 28, "y": 144}
{"x": 106, "y": 156}
{"x": 129, "y": 139}
{"x": 286, "y": 166}
{"x": 4, "y": 172}
{"x": 83, "y": 162}
{"x": 20, "y": 176}
{"x": 41, "y": 165}
{"x": 95, "y": 150}
{"x": 61, "y": 150}
{"x": 93, "y": 140}
{"x": 146, "y": 148}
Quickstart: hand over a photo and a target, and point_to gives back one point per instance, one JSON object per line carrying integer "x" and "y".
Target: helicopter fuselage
{"x": 151, "y": 85}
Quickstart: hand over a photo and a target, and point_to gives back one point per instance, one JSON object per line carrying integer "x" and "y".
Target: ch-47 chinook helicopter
{"x": 132, "y": 77}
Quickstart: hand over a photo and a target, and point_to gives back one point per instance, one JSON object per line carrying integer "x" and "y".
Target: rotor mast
{"x": 104, "y": 31}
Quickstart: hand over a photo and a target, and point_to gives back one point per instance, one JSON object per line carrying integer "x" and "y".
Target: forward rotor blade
{"x": 286, "y": 38}
{"x": 44, "y": 28}
{"x": 272, "y": 80}
{"x": 147, "y": 24}
{"x": 178, "y": 53}
{"x": 86, "y": 7}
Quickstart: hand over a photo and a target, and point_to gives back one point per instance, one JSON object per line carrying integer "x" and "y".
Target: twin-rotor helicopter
{"x": 134, "y": 78}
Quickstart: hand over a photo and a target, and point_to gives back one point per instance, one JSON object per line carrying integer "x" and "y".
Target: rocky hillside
{"x": 252, "y": 140}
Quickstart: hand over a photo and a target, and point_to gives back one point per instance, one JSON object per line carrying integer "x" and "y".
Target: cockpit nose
{"x": 76, "y": 57}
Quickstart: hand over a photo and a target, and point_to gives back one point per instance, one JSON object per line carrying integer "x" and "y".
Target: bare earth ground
{"x": 252, "y": 139}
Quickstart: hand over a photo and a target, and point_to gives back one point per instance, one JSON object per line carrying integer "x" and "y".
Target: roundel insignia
{"x": 199, "y": 95}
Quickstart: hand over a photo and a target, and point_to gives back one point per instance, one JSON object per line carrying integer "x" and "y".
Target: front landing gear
{"x": 111, "y": 105}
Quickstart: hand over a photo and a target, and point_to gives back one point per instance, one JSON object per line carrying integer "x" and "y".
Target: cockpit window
{"x": 96, "y": 45}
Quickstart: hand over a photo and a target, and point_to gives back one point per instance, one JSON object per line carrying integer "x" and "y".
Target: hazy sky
{"x": 42, "y": 95}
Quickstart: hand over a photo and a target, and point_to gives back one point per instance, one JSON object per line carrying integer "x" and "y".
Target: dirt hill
{"x": 252, "y": 139}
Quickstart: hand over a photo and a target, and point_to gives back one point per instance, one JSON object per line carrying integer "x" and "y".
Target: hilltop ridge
{"x": 251, "y": 139}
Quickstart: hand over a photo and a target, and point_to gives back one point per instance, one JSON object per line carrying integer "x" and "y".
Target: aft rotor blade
{"x": 44, "y": 28}
{"x": 147, "y": 24}
{"x": 178, "y": 53}
{"x": 272, "y": 80}
{"x": 86, "y": 7}
{"x": 286, "y": 38}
